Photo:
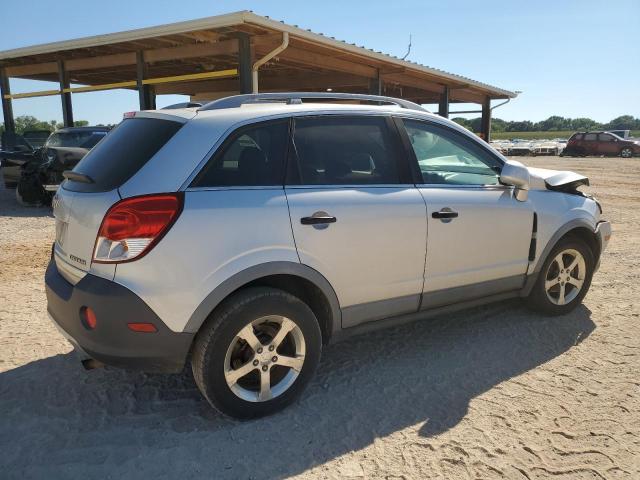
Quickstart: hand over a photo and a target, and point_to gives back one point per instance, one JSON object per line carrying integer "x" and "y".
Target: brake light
{"x": 132, "y": 227}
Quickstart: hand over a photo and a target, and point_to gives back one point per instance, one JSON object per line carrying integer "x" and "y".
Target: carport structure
{"x": 229, "y": 54}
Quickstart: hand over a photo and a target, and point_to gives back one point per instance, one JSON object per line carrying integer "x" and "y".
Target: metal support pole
{"x": 145, "y": 92}
{"x": 67, "y": 108}
{"x": 486, "y": 119}
{"x": 7, "y": 108}
{"x": 443, "y": 108}
{"x": 375, "y": 84}
{"x": 245, "y": 63}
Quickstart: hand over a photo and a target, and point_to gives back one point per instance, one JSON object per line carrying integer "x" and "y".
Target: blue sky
{"x": 575, "y": 58}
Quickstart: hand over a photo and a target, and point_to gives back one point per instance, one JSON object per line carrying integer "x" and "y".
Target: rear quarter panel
{"x": 219, "y": 233}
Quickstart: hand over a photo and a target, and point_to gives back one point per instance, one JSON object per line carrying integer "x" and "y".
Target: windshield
{"x": 82, "y": 139}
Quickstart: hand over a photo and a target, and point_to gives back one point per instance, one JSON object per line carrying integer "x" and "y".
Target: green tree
{"x": 462, "y": 122}
{"x": 583, "y": 124}
{"x": 624, "y": 122}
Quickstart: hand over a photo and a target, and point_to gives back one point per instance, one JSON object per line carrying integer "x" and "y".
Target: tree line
{"x": 24, "y": 123}
{"x": 551, "y": 124}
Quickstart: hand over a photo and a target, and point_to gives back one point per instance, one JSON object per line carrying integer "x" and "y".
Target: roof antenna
{"x": 408, "y": 49}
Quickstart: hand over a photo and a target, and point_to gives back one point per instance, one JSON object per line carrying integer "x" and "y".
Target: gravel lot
{"x": 493, "y": 392}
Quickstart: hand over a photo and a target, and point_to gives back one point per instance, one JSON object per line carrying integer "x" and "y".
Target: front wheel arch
{"x": 579, "y": 229}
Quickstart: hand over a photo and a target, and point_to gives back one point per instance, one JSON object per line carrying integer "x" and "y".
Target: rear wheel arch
{"x": 299, "y": 280}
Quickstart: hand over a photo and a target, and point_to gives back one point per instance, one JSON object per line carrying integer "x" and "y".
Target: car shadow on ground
{"x": 59, "y": 420}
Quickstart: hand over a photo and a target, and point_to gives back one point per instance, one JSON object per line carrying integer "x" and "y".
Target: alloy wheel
{"x": 264, "y": 358}
{"x": 565, "y": 277}
{"x": 626, "y": 153}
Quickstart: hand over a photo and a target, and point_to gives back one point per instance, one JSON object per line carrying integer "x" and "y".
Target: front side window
{"x": 345, "y": 151}
{"x": 252, "y": 156}
{"x": 605, "y": 137}
{"x": 447, "y": 157}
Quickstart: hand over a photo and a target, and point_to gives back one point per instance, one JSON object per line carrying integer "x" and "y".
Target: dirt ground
{"x": 495, "y": 392}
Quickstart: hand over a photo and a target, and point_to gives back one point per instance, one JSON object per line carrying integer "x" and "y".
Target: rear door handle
{"x": 445, "y": 214}
{"x": 318, "y": 220}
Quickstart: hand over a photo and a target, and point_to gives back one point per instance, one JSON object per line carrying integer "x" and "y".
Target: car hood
{"x": 562, "y": 180}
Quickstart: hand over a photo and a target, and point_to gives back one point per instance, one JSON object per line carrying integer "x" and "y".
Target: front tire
{"x": 626, "y": 152}
{"x": 256, "y": 353}
{"x": 564, "y": 279}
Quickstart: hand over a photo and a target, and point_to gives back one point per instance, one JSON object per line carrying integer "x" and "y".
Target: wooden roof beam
{"x": 271, "y": 82}
{"x": 227, "y": 47}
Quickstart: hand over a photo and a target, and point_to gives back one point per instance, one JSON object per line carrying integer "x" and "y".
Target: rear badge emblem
{"x": 77, "y": 259}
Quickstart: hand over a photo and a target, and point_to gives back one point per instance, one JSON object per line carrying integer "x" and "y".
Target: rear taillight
{"x": 133, "y": 226}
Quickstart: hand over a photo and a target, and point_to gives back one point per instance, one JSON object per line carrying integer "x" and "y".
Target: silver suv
{"x": 245, "y": 234}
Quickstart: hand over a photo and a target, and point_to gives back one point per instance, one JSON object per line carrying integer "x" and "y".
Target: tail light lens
{"x": 132, "y": 227}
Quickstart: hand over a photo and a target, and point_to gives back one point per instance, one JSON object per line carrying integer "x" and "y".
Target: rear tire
{"x": 256, "y": 353}
{"x": 564, "y": 279}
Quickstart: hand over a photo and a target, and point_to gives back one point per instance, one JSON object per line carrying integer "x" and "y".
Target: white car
{"x": 245, "y": 234}
{"x": 547, "y": 147}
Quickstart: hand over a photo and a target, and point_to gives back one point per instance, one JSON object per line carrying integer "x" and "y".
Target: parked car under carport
{"x": 41, "y": 176}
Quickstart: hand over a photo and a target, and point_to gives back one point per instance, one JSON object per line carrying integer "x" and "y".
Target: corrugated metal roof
{"x": 238, "y": 18}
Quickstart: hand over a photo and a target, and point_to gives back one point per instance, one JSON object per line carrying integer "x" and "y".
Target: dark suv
{"x": 601, "y": 143}
{"x": 42, "y": 174}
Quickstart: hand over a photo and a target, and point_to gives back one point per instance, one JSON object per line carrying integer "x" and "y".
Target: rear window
{"x": 252, "y": 156}
{"x": 124, "y": 151}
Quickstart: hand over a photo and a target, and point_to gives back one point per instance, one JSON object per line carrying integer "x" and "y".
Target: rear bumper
{"x": 112, "y": 342}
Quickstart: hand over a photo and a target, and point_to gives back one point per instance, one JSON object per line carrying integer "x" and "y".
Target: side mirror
{"x": 516, "y": 174}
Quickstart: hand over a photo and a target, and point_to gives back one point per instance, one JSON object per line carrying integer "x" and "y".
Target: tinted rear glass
{"x": 252, "y": 156}
{"x": 345, "y": 151}
{"x": 124, "y": 151}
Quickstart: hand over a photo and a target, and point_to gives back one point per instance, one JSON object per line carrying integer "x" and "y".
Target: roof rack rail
{"x": 295, "y": 98}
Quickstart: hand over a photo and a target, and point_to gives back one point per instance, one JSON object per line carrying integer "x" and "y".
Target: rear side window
{"x": 124, "y": 151}
{"x": 252, "y": 156}
{"x": 591, "y": 137}
{"x": 575, "y": 137}
{"x": 345, "y": 151}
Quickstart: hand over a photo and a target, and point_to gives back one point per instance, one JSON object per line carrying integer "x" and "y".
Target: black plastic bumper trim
{"x": 111, "y": 342}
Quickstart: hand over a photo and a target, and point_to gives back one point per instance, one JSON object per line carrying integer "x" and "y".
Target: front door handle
{"x": 444, "y": 214}
{"x": 318, "y": 220}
